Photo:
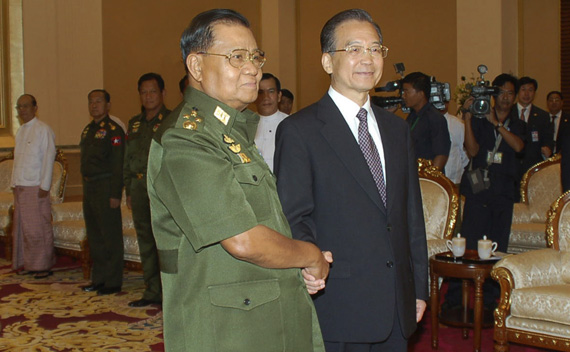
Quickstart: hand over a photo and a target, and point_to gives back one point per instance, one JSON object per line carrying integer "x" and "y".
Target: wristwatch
{"x": 499, "y": 125}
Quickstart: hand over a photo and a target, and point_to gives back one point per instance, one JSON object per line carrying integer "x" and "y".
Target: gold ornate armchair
{"x": 540, "y": 187}
{"x": 535, "y": 289}
{"x": 57, "y": 193}
{"x": 440, "y": 200}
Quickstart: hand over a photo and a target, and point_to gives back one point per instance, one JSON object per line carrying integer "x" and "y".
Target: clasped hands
{"x": 315, "y": 276}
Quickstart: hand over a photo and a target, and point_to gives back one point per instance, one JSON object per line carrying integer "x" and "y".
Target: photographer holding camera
{"x": 491, "y": 141}
{"x": 427, "y": 125}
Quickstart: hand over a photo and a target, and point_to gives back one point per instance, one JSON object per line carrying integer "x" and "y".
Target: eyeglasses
{"x": 23, "y": 106}
{"x": 239, "y": 57}
{"x": 357, "y": 50}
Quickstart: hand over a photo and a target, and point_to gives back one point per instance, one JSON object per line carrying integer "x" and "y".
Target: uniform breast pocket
{"x": 247, "y": 316}
{"x": 252, "y": 179}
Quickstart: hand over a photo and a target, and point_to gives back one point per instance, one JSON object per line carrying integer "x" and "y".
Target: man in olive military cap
{"x": 230, "y": 271}
{"x": 140, "y": 133}
{"x": 102, "y": 151}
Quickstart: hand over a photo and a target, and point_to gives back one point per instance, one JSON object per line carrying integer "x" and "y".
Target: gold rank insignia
{"x": 186, "y": 116}
{"x": 198, "y": 119}
{"x": 102, "y": 124}
{"x": 194, "y": 113}
{"x": 228, "y": 139}
{"x": 190, "y": 125}
{"x": 221, "y": 115}
{"x": 244, "y": 158}
{"x": 160, "y": 117}
{"x": 113, "y": 127}
{"x": 235, "y": 148}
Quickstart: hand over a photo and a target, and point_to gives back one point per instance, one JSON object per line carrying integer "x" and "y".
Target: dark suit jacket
{"x": 563, "y": 130}
{"x": 539, "y": 133}
{"x": 330, "y": 198}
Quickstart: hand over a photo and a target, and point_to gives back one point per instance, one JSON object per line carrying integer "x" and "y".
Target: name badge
{"x": 534, "y": 136}
{"x": 497, "y": 158}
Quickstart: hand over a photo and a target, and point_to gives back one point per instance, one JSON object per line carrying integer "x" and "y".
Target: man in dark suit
{"x": 539, "y": 132}
{"x": 558, "y": 118}
{"x": 348, "y": 182}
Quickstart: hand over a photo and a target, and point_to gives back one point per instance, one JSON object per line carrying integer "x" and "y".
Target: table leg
{"x": 478, "y": 313}
{"x": 434, "y": 308}
{"x": 465, "y": 305}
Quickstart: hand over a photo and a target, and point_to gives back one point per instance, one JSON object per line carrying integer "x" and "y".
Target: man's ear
{"x": 326, "y": 61}
{"x": 279, "y": 97}
{"x": 194, "y": 66}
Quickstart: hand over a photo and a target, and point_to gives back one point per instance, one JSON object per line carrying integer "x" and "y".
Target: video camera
{"x": 482, "y": 92}
{"x": 439, "y": 92}
{"x": 392, "y": 86}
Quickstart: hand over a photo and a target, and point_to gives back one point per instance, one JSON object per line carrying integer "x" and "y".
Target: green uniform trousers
{"x": 140, "y": 205}
{"x": 104, "y": 233}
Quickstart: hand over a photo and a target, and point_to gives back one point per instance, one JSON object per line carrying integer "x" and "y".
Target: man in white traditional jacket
{"x": 268, "y": 109}
{"x": 34, "y": 154}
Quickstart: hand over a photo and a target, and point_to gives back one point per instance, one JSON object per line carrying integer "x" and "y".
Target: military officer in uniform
{"x": 140, "y": 132}
{"x": 102, "y": 151}
{"x": 231, "y": 274}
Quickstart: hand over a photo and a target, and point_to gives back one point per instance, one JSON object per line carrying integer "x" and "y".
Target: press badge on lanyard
{"x": 497, "y": 158}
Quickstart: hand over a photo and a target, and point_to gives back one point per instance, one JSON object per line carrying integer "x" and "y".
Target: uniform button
{"x": 247, "y": 301}
{"x": 389, "y": 264}
{"x": 254, "y": 178}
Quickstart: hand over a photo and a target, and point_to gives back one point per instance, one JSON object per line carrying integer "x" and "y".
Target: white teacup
{"x": 486, "y": 248}
{"x": 456, "y": 246}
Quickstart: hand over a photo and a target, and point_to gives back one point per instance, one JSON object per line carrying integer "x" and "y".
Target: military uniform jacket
{"x": 102, "y": 149}
{"x": 138, "y": 138}
{"x": 207, "y": 182}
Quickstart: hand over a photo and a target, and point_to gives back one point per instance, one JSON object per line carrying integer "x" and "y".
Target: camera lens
{"x": 480, "y": 106}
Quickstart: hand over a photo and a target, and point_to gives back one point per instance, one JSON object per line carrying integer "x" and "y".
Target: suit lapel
{"x": 341, "y": 140}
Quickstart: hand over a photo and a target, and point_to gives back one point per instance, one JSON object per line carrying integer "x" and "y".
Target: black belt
{"x": 96, "y": 177}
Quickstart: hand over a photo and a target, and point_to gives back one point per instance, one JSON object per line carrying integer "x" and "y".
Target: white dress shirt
{"x": 34, "y": 155}
{"x": 349, "y": 110}
{"x": 556, "y": 122}
{"x": 458, "y": 158}
{"x": 265, "y": 135}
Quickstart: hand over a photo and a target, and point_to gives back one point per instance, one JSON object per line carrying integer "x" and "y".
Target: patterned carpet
{"x": 53, "y": 314}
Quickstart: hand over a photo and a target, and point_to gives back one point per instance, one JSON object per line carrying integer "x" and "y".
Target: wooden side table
{"x": 468, "y": 268}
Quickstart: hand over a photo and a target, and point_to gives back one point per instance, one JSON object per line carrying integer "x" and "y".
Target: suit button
{"x": 389, "y": 228}
{"x": 389, "y": 264}
{"x": 254, "y": 178}
{"x": 247, "y": 301}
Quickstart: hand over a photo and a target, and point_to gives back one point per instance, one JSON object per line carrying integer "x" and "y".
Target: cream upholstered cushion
{"x": 527, "y": 236}
{"x": 547, "y": 303}
{"x": 131, "y": 245}
{"x": 436, "y": 207}
{"x": 534, "y": 268}
{"x": 69, "y": 234}
{"x": 544, "y": 187}
{"x": 6, "y": 175}
{"x": 67, "y": 211}
{"x": 538, "y": 326}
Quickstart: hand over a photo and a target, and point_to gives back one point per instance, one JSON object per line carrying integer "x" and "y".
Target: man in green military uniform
{"x": 102, "y": 151}
{"x": 230, "y": 271}
{"x": 139, "y": 135}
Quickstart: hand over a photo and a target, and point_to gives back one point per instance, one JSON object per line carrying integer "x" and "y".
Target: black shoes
{"x": 43, "y": 274}
{"x": 143, "y": 303}
{"x": 101, "y": 289}
{"x": 92, "y": 287}
{"x": 108, "y": 290}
